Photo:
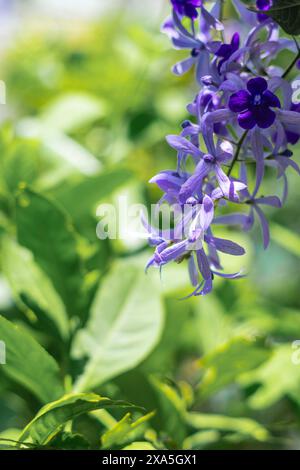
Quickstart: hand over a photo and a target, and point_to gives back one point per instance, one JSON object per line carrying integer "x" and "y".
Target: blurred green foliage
{"x": 81, "y": 321}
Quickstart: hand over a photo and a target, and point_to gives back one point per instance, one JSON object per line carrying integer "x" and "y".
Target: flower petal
{"x": 271, "y": 99}
{"x": 257, "y": 85}
{"x": 239, "y": 101}
{"x": 246, "y": 120}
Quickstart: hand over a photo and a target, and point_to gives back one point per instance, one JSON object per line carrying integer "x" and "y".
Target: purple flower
{"x": 254, "y": 104}
{"x": 263, "y": 5}
{"x": 226, "y": 50}
{"x": 187, "y": 7}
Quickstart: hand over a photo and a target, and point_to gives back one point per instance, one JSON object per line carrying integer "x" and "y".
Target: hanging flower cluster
{"x": 242, "y": 114}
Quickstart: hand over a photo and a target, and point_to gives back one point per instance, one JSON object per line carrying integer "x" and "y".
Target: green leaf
{"x": 224, "y": 365}
{"x": 125, "y": 324}
{"x": 27, "y": 280}
{"x": 29, "y": 364}
{"x": 142, "y": 445}
{"x": 81, "y": 196}
{"x": 46, "y": 231}
{"x": 170, "y": 416}
{"x": 68, "y": 441}
{"x": 51, "y": 418}
{"x": 244, "y": 426}
{"x": 285, "y": 238}
{"x": 72, "y": 111}
{"x": 278, "y": 377}
{"x": 123, "y": 430}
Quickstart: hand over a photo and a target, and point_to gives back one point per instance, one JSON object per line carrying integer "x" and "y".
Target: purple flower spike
{"x": 254, "y": 104}
{"x": 226, "y": 50}
{"x": 187, "y": 7}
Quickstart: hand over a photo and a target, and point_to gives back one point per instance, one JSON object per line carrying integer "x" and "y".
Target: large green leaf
{"x": 28, "y": 281}
{"x": 227, "y": 362}
{"x": 29, "y": 364}
{"x": 124, "y": 326}
{"x": 47, "y": 232}
{"x": 53, "y": 416}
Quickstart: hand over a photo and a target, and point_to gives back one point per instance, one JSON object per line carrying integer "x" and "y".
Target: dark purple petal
{"x": 246, "y": 120}
{"x": 264, "y": 5}
{"x": 239, "y": 101}
{"x": 263, "y": 116}
{"x": 257, "y": 85}
{"x": 271, "y": 100}
{"x": 235, "y": 42}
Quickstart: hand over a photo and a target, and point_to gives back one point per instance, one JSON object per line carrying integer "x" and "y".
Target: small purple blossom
{"x": 254, "y": 104}
{"x": 187, "y": 7}
{"x": 225, "y": 51}
{"x": 263, "y": 5}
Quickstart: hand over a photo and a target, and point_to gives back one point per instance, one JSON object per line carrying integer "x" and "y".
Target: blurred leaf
{"x": 29, "y": 364}
{"x": 123, "y": 430}
{"x": 224, "y": 365}
{"x": 170, "y": 416}
{"x": 80, "y": 197}
{"x": 125, "y": 324}
{"x": 201, "y": 439}
{"x": 50, "y": 419}
{"x": 139, "y": 446}
{"x": 71, "y": 111}
{"x": 286, "y": 238}
{"x": 46, "y": 231}
{"x": 27, "y": 280}
{"x": 245, "y": 426}
{"x": 278, "y": 377}
{"x": 60, "y": 146}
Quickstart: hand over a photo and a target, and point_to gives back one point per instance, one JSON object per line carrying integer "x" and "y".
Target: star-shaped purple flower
{"x": 254, "y": 104}
{"x": 187, "y": 7}
{"x": 226, "y": 50}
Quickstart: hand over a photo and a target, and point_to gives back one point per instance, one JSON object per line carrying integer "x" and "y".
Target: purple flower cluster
{"x": 242, "y": 114}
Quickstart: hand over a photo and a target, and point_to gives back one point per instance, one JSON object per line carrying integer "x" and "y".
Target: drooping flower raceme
{"x": 243, "y": 114}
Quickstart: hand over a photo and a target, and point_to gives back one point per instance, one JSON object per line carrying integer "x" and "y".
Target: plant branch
{"x": 293, "y": 63}
{"x": 237, "y": 152}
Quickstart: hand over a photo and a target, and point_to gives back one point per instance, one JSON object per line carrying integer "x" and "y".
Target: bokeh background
{"x": 89, "y": 99}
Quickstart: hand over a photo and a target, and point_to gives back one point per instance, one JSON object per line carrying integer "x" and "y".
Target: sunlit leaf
{"x": 50, "y": 419}
{"x": 125, "y": 324}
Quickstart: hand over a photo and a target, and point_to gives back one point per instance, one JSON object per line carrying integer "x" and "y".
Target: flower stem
{"x": 292, "y": 64}
{"x": 237, "y": 152}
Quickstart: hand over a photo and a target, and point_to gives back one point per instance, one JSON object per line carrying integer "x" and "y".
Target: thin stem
{"x": 293, "y": 63}
{"x": 237, "y": 152}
